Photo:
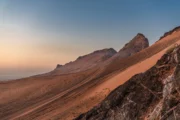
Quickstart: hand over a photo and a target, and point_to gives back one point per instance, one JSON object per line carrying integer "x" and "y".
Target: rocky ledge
{"x": 170, "y": 32}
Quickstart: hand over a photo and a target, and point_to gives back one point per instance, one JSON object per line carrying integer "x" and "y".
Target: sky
{"x": 35, "y": 35}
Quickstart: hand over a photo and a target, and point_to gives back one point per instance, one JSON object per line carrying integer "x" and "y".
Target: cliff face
{"x": 153, "y": 95}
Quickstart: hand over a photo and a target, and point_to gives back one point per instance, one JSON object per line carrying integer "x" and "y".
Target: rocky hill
{"x": 85, "y": 62}
{"x": 170, "y": 32}
{"x": 99, "y": 57}
{"x": 138, "y": 43}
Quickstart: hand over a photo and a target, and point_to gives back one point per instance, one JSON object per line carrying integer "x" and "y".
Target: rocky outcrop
{"x": 138, "y": 43}
{"x": 153, "y": 95}
{"x": 170, "y": 32}
{"x": 102, "y": 57}
{"x": 134, "y": 46}
{"x": 58, "y": 66}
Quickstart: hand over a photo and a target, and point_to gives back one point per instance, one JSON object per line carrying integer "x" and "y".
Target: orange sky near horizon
{"x": 21, "y": 51}
{"x": 24, "y": 52}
